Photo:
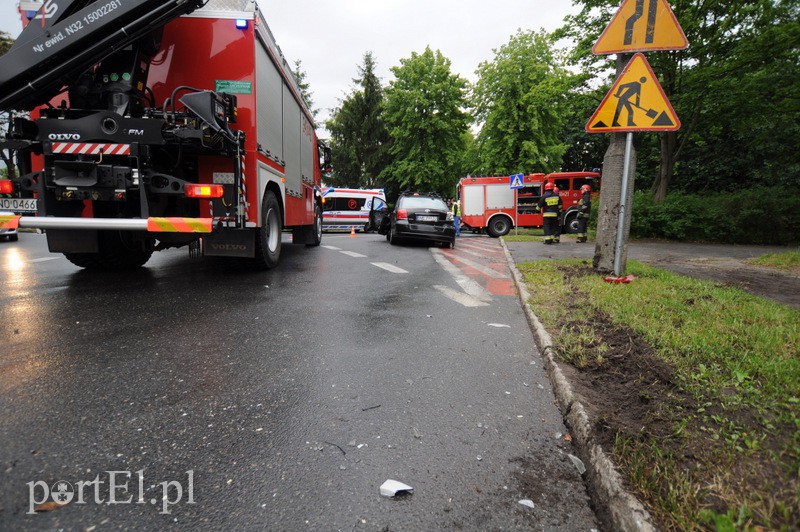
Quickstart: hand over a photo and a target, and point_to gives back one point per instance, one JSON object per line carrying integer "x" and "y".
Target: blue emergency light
{"x": 241, "y": 23}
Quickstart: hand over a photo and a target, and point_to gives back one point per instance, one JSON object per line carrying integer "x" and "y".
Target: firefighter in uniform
{"x": 584, "y": 209}
{"x": 550, "y": 206}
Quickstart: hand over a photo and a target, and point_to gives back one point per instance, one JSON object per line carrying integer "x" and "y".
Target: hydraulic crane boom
{"x": 48, "y": 57}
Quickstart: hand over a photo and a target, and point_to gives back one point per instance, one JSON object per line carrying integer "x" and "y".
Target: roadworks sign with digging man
{"x": 636, "y": 102}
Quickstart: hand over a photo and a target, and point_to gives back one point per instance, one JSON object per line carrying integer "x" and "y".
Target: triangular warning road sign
{"x": 636, "y": 102}
{"x": 640, "y": 26}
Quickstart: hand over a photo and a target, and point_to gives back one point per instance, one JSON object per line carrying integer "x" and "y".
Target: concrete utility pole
{"x": 611, "y": 195}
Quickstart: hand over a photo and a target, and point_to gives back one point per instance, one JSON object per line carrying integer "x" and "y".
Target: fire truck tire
{"x": 315, "y": 231}
{"x": 268, "y": 236}
{"x": 498, "y": 226}
{"x": 118, "y": 251}
{"x": 571, "y": 224}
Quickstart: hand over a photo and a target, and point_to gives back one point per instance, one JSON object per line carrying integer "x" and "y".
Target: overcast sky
{"x": 331, "y": 37}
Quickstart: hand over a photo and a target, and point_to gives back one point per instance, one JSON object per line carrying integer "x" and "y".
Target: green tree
{"x": 520, "y": 100}
{"x": 6, "y": 41}
{"x": 305, "y": 89}
{"x": 426, "y": 118}
{"x": 359, "y": 138}
{"x": 734, "y": 89}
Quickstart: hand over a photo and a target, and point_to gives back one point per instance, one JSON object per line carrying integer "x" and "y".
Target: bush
{"x": 760, "y": 215}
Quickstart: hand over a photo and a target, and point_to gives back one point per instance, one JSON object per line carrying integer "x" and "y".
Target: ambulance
{"x": 348, "y": 208}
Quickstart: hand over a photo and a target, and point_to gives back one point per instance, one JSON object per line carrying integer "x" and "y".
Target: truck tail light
{"x": 6, "y": 186}
{"x": 402, "y": 214}
{"x": 203, "y": 191}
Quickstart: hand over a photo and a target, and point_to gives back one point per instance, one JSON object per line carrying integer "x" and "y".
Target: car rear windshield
{"x": 419, "y": 202}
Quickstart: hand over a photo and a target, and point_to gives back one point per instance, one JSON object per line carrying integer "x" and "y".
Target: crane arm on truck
{"x": 48, "y": 57}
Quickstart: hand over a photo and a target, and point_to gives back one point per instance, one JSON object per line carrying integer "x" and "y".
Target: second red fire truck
{"x": 490, "y": 204}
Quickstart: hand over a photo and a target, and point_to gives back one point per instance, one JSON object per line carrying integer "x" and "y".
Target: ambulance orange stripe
{"x": 9, "y": 222}
{"x": 179, "y": 225}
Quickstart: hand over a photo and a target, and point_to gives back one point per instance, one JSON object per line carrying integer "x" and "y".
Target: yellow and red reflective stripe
{"x": 9, "y": 222}
{"x": 179, "y": 225}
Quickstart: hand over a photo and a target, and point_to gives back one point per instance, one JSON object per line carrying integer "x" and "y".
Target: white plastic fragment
{"x": 500, "y": 325}
{"x": 392, "y": 488}
{"x": 578, "y": 464}
{"x": 527, "y": 502}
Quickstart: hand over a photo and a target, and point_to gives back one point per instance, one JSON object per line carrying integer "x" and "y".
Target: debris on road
{"x": 499, "y": 325}
{"x": 527, "y": 502}
{"x": 393, "y": 488}
{"x": 579, "y": 465}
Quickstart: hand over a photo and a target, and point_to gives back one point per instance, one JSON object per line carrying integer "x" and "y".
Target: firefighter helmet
{"x": 586, "y": 188}
{"x": 548, "y": 186}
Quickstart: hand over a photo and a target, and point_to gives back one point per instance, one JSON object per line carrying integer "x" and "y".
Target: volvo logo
{"x": 64, "y": 136}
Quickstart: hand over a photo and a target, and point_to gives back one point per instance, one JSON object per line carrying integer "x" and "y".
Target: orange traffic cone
{"x": 352, "y": 231}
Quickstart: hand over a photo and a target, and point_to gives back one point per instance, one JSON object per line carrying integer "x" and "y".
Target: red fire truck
{"x": 158, "y": 124}
{"x": 490, "y": 204}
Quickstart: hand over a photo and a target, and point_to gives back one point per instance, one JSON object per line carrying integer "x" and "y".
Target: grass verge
{"x": 694, "y": 388}
{"x": 787, "y": 261}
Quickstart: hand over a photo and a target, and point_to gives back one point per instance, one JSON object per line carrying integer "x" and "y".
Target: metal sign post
{"x": 626, "y": 167}
{"x": 516, "y": 182}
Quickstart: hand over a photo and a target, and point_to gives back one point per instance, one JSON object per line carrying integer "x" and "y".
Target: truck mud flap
{"x": 230, "y": 243}
{"x": 68, "y": 241}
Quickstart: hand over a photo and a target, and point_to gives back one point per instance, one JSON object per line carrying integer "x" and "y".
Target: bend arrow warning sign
{"x": 636, "y": 102}
{"x": 640, "y": 26}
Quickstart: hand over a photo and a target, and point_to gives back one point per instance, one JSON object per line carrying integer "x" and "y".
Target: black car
{"x": 415, "y": 216}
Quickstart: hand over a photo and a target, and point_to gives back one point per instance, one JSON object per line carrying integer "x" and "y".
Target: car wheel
{"x": 393, "y": 238}
{"x": 13, "y": 238}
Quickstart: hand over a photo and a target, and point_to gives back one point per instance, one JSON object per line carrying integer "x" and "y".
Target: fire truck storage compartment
{"x": 472, "y": 202}
{"x": 499, "y": 197}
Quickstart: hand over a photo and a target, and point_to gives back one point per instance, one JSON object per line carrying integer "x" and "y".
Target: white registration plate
{"x": 427, "y": 218}
{"x": 19, "y": 204}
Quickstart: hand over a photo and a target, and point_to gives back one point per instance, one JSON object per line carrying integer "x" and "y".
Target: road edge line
{"x": 624, "y": 511}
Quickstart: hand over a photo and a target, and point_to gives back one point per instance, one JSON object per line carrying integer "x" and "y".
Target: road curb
{"x": 621, "y": 509}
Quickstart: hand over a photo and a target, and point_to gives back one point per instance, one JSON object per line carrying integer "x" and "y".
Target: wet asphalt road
{"x": 288, "y": 396}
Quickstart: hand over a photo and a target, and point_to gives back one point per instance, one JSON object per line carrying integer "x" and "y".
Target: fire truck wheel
{"x": 268, "y": 236}
{"x": 571, "y": 224}
{"x": 315, "y": 231}
{"x": 498, "y": 226}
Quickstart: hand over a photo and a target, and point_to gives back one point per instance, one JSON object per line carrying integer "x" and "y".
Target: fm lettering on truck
{"x": 233, "y": 87}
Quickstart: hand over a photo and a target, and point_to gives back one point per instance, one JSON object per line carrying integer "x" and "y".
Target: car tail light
{"x": 6, "y": 186}
{"x": 203, "y": 191}
{"x": 402, "y": 214}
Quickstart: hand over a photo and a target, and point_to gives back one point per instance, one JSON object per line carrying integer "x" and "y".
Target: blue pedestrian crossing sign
{"x": 516, "y": 181}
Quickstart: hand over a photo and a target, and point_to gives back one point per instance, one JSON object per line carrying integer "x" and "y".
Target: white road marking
{"x": 334, "y": 248}
{"x": 483, "y": 269}
{"x": 478, "y": 247}
{"x": 469, "y": 286}
{"x": 353, "y": 254}
{"x": 389, "y": 267}
{"x": 459, "y": 297}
